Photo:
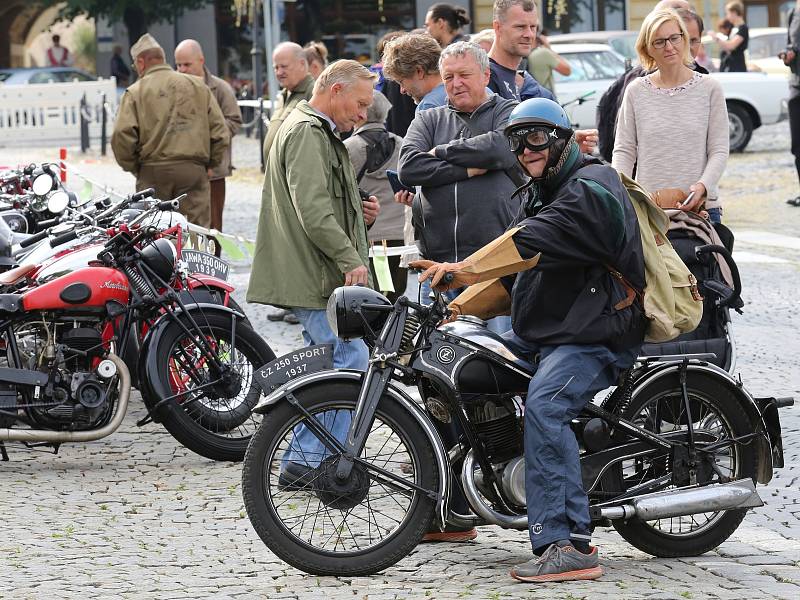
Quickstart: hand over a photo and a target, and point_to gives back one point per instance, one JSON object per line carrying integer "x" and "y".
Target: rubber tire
{"x": 182, "y": 427}
{"x": 647, "y": 539}
{"x": 268, "y": 525}
{"x": 738, "y": 117}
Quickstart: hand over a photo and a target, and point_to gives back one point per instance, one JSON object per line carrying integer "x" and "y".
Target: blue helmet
{"x": 538, "y": 111}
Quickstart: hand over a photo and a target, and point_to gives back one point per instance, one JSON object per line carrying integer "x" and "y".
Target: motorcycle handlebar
{"x": 168, "y": 205}
{"x": 49, "y": 223}
{"x": 723, "y": 252}
{"x": 64, "y": 238}
{"x": 34, "y": 239}
{"x": 148, "y": 193}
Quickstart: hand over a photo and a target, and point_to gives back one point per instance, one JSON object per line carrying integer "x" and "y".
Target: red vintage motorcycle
{"x": 65, "y": 334}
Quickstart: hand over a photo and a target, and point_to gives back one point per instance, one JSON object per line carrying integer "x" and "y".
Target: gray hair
{"x": 501, "y": 7}
{"x": 297, "y": 51}
{"x": 464, "y": 48}
{"x": 343, "y": 71}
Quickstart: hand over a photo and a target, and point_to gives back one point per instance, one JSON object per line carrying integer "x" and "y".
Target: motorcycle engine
{"x": 498, "y": 422}
{"x": 75, "y": 397}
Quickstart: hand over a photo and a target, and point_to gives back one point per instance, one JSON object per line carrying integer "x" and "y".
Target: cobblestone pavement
{"x": 138, "y": 516}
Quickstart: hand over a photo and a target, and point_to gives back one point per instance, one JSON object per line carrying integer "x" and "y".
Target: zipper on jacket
{"x": 455, "y": 227}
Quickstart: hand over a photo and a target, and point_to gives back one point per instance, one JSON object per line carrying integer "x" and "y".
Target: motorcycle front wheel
{"x": 717, "y": 413}
{"x": 215, "y": 420}
{"x": 319, "y": 523}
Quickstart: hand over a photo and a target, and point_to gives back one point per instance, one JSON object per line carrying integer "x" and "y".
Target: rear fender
{"x": 355, "y": 378}
{"x": 767, "y": 445}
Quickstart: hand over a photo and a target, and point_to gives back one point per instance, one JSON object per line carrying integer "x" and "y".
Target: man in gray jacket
{"x": 458, "y": 155}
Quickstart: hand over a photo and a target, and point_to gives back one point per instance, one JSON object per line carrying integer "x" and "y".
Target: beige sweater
{"x": 675, "y": 137}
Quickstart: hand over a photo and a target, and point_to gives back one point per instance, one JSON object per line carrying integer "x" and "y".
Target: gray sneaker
{"x": 560, "y": 562}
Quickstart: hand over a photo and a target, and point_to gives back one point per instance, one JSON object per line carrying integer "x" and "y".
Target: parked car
{"x": 34, "y": 75}
{"x": 623, "y": 42}
{"x": 753, "y": 99}
{"x": 44, "y": 75}
{"x": 762, "y": 50}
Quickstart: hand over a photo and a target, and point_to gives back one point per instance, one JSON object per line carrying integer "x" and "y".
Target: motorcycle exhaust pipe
{"x": 687, "y": 501}
{"x": 479, "y": 507}
{"x": 45, "y": 435}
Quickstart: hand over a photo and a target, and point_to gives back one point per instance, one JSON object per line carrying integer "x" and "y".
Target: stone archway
{"x": 17, "y": 18}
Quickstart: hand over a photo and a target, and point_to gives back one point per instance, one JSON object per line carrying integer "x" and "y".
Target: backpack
{"x": 380, "y": 148}
{"x": 670, "y": 300}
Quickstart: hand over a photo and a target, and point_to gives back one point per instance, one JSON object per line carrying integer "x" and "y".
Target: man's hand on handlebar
{"x": 436, "y": 272}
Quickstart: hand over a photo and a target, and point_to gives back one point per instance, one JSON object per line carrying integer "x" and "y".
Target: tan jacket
{"x": 285, "y": 104}
{"x": 168, "y": 117}
{"x": 226, "y": 98}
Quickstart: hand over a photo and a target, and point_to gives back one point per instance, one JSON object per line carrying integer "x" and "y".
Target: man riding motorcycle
{"x": 572, "y": 314}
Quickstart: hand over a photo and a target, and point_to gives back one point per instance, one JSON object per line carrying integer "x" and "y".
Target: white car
{"x": 753, "y": 99}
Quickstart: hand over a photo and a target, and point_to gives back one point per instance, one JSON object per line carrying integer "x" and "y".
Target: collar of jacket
{"x": 208, "y": 78}
{"x": 302, "y": 88}
{"x": 154, "y": 68}
{"x": 490, "y": 101}
{"x": 304, "y": 107}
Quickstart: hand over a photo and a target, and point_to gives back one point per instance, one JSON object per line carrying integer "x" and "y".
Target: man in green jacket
{"x": 312, "y": 234}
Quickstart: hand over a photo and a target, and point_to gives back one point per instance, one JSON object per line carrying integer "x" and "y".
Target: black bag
{"x": 380, "y": 148}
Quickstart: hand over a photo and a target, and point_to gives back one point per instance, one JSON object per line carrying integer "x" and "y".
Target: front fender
{"x": 398, "y": 396}
{"x": 765, "y": 443}
{"x": 148, "y": 356}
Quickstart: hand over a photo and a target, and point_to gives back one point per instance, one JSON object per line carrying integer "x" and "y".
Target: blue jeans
{"x": 567, "y": 378}
{"x": 499, "y": 325}
{"x": 714, "y": 215}
{"x": 305, "y": 448}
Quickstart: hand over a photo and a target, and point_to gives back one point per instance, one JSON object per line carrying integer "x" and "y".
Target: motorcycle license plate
{"x": 295, "y": 364}
{"x": 205, "y": 263}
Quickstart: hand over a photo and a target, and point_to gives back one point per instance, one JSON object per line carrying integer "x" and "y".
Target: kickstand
{"x": 3, "y": 452}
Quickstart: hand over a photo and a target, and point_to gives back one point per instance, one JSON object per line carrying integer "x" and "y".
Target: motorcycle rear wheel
{"x": 715, "y": 409}
{"x": 219, "y": 423}
{"x": 323, "y": 526}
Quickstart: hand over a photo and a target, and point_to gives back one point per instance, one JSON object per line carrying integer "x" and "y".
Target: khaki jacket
{"x": 226, "y": 99}
{"x": 284, "y": 105}
{"x": 168, "y": 117}
{"x": 311, "y": 228}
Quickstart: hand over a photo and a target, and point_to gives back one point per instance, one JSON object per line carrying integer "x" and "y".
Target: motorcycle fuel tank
{"x": 498, "y": 369}
{"x": 89, "y": 287}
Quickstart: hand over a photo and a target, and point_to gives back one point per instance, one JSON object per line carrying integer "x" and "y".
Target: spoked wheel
{"x": 212, "y": 413}
{"x": 325, "y": 525}
{"x": 717, "y": 415}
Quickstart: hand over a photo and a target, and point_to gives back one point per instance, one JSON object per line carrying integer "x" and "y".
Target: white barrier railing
{"x": 51, "y": 112}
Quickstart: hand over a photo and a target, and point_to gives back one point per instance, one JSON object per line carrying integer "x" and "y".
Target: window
{"x": 44, "y": 77}
{"x": 591, "y": 66}
{"x": 583, "y": 15}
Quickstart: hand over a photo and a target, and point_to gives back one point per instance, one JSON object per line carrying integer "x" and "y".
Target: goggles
{"x": 535, "y": 138}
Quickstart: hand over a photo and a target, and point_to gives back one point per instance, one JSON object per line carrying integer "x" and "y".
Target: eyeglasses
{"x": 534, "y": 138}
{"x": 695, "y": 42}
{"x": 674, "y": 39}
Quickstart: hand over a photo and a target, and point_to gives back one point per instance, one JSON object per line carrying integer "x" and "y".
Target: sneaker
{"x": 450, "y": 534}
{"x": 560, "y": 562}
{"x": 278, "y": 316}
{"x": 295, "y": 476}
{"x": 291, "y": 318}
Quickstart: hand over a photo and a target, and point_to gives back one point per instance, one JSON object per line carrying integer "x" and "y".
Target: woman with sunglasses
{"x": 672, "y": 127}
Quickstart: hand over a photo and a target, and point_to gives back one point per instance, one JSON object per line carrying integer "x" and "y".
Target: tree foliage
{"x": 137, "y": 15}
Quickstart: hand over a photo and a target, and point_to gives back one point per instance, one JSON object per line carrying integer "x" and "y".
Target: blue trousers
{"x": 499, "y": 325}
{"x": 305, "y": 448}
{"x": 567, "y": 378}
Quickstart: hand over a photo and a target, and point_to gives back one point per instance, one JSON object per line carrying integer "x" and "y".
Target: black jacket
{"x": 582, "y": 223}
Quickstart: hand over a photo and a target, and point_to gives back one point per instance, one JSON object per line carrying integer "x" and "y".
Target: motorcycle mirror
{"x": 42, "y": 184}
{"x": 58, "y": 202}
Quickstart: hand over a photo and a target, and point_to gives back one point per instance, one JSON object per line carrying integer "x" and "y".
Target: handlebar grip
{"x": 64, "y": 238}
{"x": 168, "y": 205}
{"x": 49, "y": 223}
{"x": 148, "y": 193}
{"x": 34, "y": 239}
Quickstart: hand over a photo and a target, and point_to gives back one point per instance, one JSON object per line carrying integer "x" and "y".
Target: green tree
{"x": 137, "y": 15}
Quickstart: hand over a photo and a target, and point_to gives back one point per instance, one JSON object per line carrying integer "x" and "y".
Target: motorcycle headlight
{"x": 15, "y": 221}
{"x": 161, "y": 256}
{"x": 346, "y": 307}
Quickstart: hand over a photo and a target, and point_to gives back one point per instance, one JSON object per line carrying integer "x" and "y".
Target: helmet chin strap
{"x": 559, "y": 153}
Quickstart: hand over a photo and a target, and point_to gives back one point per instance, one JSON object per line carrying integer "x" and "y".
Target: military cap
{"x": 146, "y": 42}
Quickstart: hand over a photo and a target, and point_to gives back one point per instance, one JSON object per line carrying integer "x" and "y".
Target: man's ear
{"x": 336, "y": 88}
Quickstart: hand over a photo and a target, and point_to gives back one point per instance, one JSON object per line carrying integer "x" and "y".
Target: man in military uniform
{"x": 169, "y": 131}
{"x": 189, "y": 59}
{"x": 291, "y": 71}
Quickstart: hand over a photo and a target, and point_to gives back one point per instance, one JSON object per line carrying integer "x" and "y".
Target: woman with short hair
{"x": 672, "y": 128}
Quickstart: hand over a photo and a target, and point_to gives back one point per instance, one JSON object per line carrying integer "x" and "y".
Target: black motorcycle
{"x": 670, "y": 458}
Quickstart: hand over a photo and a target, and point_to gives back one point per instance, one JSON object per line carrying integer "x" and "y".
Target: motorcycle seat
{"x": 14, "y": 275}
